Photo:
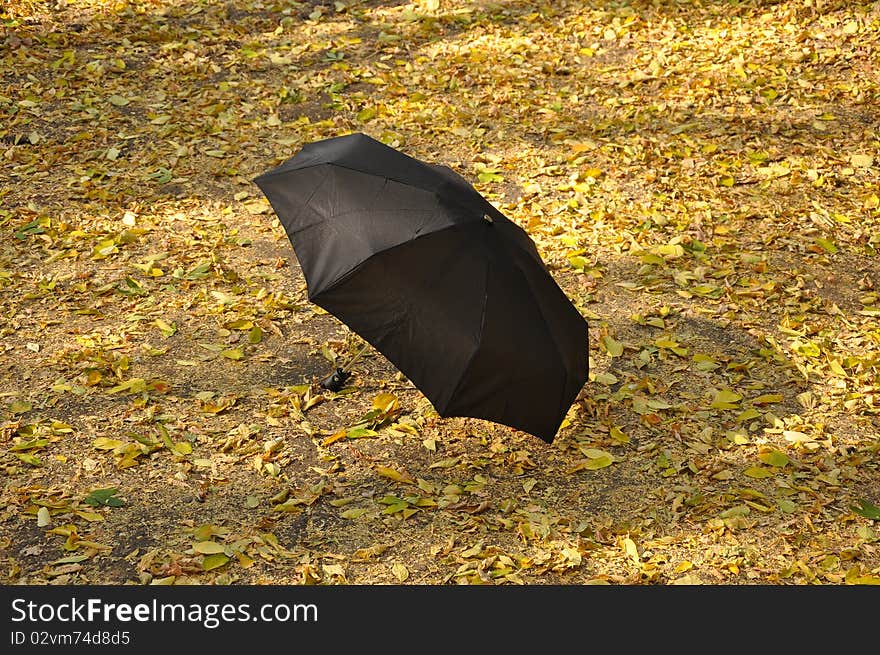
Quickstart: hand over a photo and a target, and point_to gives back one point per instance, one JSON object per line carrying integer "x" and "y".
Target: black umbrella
{"x": 413, "y": 259}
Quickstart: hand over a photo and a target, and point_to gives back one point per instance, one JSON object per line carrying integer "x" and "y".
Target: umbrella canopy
{"x": 413, "y": 259}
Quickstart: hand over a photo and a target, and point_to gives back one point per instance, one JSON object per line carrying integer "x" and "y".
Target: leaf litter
{"x": 701, "y": 179}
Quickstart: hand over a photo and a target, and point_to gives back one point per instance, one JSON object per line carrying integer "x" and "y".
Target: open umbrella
{"x": 413, "y": 259}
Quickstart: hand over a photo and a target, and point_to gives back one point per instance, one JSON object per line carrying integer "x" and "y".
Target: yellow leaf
{"x": 334, "y": 438}
{"x": 768, "y": 399}
{"x": 748, "y": 415}
{"x": 613, "y": 347}
{"x": 392, "y": 474}
{"x": 208, "y": 547}
{"x": 400, "y": 571}
{"x": 795, "y": 436}
{"x": 605, "y": 378}
{"x": 182, "y": 448}
{"x": 244, "y": 561}
{"x": 387, "y": 402}
{"x": 600, "y": 462}
{"x": 333, "y": 569}
{"x": 758, "y": 472}
{"x": 103, "y": 443}
{"x": 726, "y": 399}
{"x": 774, "y": 458}
{"x": 669, "y": 251}
{"x": 90, "y": 516}
{"x": 166, "y": 328}
{"x": 618, "y": 435}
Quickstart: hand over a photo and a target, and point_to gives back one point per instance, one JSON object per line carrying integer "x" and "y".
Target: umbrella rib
{"x": 473, "y": 356}
{"x": 343, "y": 278}
{"x": 306, "y": 203}
{"x": 273, "y": 173}
{"x": 549, "y": 332}
{"x": 352, "y": 271}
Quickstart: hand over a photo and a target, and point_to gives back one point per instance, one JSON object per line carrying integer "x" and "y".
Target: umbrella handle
{"x": 338, "y": 378}
{"x": 335, "y": 380}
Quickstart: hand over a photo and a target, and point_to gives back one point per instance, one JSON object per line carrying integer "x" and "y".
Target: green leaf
{"x": 774, "y": 458}
{"x": 787, "y": 506}
{"x": 199, "y": 271}
{"x": 29, "y": 445}
{"x": 27, "y": 458}
{"x": 758, "y": 472}
{"x": 104, "y": 443}
{"x": 357, "y": 433}
{"x": 826, "y": 245}
{"x": 618, "y": 435}
{"x": 866, "y": 509}
{"x": 134, "y": 385}
{"x": 489, "y": 176}
{"x": 594, "y": 463}
{"x": 613, "y": 347}
{"x": 806, "y": 348}
{"x": 367, "y": 114}
{"x": 748, "y": 415}
{"x": 578, "y": 262}
{"x": 161, "y": 176}
{"x": 214, "y": 561}
{"x": 726, "y": 399}
{"x": 19, "y": 406}
{"x": 103, "y": 497}
{"x": 168, "y": 329}
{"x": 182, "y": 448}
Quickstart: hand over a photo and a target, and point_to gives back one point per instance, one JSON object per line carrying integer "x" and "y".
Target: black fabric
{"x": 413, "y": 259}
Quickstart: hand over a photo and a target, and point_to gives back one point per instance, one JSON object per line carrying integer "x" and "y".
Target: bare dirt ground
{"x": 700, "y": 177}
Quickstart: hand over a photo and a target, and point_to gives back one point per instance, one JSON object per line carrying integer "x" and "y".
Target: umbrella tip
{"x": 488, "y": 218}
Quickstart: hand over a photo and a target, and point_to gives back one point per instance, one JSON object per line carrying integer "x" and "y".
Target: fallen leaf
{"x": 208, "y": 547}
{"x": 400, "y": 571}
{"x": 43, "y": 517}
